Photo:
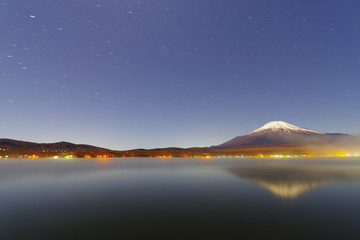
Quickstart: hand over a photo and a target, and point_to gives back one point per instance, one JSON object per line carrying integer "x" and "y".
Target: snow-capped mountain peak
{"x": 282, "y": 134}
{"x": 280, "y": 126}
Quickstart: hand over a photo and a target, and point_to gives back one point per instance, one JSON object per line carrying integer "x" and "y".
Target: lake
{"x": 180, "y": 198}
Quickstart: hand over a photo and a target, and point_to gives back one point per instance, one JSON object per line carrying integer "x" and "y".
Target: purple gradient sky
{"x": 148, "y": 73}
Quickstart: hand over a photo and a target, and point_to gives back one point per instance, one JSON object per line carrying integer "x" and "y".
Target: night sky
{"x": 128, "y": 74}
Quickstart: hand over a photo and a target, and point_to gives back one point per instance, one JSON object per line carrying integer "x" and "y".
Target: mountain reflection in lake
{"x": 144, "y": 198}
{"x": 291, "y": 181}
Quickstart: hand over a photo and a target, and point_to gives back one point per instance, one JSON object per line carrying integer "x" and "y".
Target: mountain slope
{"x": 281, "y": 133}
{"x": 15, "y": 147}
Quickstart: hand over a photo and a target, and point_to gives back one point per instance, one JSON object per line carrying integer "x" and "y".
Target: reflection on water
{"x": 291, "y": 181}
{"x": 288, "y": 189}
{"x": 142, "y": 198}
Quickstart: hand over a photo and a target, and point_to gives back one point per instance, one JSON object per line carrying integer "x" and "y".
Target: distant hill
{"x": 11, "y": 147}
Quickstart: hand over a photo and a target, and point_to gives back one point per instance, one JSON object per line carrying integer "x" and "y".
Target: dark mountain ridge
{"x": 16, "y": 147}
{"x": 275, "y": 137}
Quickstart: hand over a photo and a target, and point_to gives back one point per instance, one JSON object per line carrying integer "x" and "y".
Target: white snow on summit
{"x": 283, "y": 127}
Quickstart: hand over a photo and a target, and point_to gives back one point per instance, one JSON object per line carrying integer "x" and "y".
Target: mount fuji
{"x": 281, "y": 133}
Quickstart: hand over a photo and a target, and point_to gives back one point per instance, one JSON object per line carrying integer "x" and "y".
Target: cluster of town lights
{"x": 103, "y": 156}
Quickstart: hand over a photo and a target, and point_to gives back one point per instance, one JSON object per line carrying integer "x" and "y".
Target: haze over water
{"x": 226, "y": 198}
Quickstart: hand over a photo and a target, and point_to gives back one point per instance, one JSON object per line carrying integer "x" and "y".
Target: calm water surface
{"x": 144, "y": 198}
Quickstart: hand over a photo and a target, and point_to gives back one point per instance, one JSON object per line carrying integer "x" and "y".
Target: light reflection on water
{"x": 179, "y": 199}
{"x": 291, "y": 181}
